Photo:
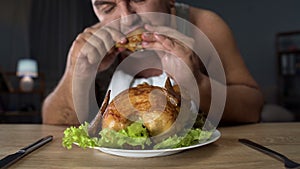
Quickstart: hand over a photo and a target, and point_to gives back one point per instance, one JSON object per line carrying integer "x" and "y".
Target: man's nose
{"x": 126, "y": 8}
{"x": 127, "y": 13}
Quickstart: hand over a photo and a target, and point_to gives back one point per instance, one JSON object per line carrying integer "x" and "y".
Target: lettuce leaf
{"x": 134, "y": 135}
{"x": 191, "y": 137}
{"x": 78, "y": 135}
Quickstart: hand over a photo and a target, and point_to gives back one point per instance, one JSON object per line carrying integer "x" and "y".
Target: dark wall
{"x": 255, "y": 24}
{"x": 43, "y": 30}
{"x": 14, "y": 27}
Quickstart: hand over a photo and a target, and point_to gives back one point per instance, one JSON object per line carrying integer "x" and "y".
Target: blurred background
{"x": 267, "y": 33}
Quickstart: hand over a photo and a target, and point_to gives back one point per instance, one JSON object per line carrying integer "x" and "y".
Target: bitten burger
{"x": 134, "y": 41}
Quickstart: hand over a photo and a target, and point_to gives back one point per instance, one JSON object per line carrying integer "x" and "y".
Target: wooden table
{"x": 225, "y": 153}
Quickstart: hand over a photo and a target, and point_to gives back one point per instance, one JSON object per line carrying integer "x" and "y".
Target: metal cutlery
{"x": 12, "y": 158}
{"x": 289, "y": 164}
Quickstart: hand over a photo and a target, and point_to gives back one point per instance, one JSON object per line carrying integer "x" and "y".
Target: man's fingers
{"x": 161, "y": 42}
{"x": 110, "y": 35}
{"x": 172, "y": 33}
{"x": 160, "y": 29}
{"x": 92, "y": 53}
{"x": 100, "y": 42}
{"x": 165, "y": 41}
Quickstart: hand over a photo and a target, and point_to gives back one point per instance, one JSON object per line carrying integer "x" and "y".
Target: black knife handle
{"x": 37, "y": 144}
{"x": 12, "y": 158}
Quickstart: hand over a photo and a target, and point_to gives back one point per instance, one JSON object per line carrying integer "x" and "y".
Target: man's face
{"x": 111, "y": 10}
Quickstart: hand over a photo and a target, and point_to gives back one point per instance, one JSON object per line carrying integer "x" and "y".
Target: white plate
{"x": 155, "y": 153}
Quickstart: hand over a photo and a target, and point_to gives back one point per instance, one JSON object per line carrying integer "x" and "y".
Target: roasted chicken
{"x": 157, "y": 108}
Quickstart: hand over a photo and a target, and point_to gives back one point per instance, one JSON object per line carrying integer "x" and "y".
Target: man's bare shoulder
{"x": 204, "y": 17}
{"x": 211, "y": 24}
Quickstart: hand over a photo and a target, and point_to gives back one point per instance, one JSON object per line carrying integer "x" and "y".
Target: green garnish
{"x": 134, "y": 135}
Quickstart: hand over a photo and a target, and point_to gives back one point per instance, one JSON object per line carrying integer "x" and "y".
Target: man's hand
{"x": 73, "y": 93}
{"x": 176, "y": 51}
{"x": 96, "y": 43}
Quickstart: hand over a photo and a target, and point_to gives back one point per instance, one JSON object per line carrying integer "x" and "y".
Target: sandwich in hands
{"x": 134, "y": 41}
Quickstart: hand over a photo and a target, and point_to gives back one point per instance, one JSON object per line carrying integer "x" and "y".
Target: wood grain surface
{"x": 225, "y": 153}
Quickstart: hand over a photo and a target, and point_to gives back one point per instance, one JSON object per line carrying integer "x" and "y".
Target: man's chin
{"x": 149, "y": 73}
{"x": 142, "y": 61}
{"x": 137, "y": 54}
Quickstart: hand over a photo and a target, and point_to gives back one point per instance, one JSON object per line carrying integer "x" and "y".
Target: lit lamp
{"x": 27, "y": 70}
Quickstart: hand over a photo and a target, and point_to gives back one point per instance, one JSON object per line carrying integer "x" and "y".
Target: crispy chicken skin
{"x": 154, "y": 106}
{"x": 157, "y": 108}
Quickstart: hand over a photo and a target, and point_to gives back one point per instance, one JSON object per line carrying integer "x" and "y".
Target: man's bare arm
{"x": 58, "y": 107}
{"x": 244, "y": 99}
